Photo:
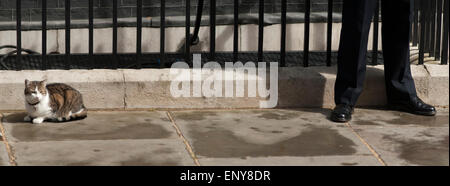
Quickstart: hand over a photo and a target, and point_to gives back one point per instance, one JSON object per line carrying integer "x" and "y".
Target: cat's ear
{"x": 44, "y": 82}
{"x": 27, "y": 82}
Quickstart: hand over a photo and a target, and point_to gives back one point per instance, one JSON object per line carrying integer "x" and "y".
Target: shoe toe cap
{"x": 340, "y": 117}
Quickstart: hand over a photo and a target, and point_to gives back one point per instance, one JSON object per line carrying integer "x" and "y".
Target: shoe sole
{"x": 340, "y": 120}
{"x": 403, "y": 109}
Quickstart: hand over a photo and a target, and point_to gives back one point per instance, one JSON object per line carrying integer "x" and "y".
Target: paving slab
{"x": 355, "y": 160}
{"x": 103, "y": 138}
{"x": 400, "y": 146}
{"x": 97, "y": 152}
{"x": 386, "y": 118}
{"x": 271, "y": 137}
{"x": 4, "y": 159}
{"x": 97, "y": 126}
{"x": 405, "y": 139}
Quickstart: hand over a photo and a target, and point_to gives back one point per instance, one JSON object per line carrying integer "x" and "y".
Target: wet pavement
{"x": 229, "y": 137}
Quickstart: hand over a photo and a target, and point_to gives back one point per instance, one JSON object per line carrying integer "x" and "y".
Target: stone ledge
{"x": 150, "y": 88}
{"x": 101, "y": 89}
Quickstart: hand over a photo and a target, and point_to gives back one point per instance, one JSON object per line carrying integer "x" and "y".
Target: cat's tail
{"x": 80, "y": 114}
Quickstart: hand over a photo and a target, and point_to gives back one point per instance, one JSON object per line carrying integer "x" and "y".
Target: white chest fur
{"x": 42, "y": 109}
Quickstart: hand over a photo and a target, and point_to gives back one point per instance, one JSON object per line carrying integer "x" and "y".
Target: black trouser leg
{"x": 397, "y": 17}
{"x": 357, "y": 16}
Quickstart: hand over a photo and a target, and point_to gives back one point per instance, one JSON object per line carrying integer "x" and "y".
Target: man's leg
{"x": 400, "y": 88}
{"x": 396, "y": 31}
{"x": 357, "y": 16}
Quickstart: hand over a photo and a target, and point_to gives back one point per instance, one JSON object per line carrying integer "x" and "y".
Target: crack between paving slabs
{"x": 12, "y": 158}
{"x": 180, "y": 134}
{"x": 371, "y": 149}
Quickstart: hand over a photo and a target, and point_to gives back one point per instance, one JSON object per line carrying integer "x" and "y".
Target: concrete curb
{"x": 150, "y": 88}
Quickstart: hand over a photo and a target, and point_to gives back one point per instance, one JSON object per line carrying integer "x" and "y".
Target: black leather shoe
{"x": 342, "y": 113}
{"x": 414, "y": 106}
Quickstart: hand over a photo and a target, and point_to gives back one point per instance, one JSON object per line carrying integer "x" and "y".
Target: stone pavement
{"x": 228, "y": 137}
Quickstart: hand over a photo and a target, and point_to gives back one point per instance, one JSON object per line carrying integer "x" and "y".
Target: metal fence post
{"x": 19, "y": 34}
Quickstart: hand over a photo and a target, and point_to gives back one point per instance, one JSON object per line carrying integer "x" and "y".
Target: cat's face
{"x": 35, "y": 91}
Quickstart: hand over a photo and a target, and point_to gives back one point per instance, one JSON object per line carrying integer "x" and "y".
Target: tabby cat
{"x": 55, "y": 102}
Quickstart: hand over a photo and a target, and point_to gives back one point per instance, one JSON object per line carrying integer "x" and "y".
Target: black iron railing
{"x": 430, "y": 29}
{"x": 429, "y": 33}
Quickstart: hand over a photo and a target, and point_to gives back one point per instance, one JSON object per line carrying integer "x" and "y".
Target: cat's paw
{"x": 27, "y": 119}
{"x": 38, "y": 120}
{"x": 60, "y": 119}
